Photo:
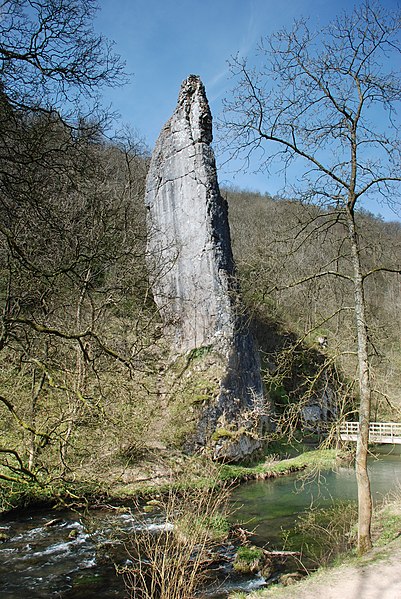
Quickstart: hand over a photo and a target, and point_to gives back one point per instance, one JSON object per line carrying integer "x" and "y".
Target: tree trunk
{"x": 36, "y": 389}
{"x": 362, "y": 477}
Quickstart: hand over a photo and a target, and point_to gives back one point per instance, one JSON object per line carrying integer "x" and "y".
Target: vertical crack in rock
{"x": 195, "y": 287}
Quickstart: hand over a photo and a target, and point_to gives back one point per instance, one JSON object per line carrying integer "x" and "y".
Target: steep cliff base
{"x": 201, "y": 414}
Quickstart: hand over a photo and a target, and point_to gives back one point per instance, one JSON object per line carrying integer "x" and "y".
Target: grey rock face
{"x": 189, "y": 234}
{"x": 322, "y": 407}
{"x": 194, "y": 284}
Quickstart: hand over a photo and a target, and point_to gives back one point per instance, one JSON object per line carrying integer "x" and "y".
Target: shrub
{"x": 171, "y": 563}
{"x": 323, "y": 533}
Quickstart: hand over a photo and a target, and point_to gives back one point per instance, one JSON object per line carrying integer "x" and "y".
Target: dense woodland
{"x": 293, "y": 262}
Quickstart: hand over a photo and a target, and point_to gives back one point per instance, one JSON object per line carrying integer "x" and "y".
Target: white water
{"x": 40, "y": 562}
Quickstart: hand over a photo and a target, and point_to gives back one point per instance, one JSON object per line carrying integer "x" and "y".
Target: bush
{"x": 323, "y": 533}
{"x": 171, "y": 563}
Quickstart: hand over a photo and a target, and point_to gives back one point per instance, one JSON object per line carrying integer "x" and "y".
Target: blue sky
{"x": 163, "y": 41}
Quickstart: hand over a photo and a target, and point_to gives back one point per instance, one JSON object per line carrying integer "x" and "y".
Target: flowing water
{"x": 72, "y": 557}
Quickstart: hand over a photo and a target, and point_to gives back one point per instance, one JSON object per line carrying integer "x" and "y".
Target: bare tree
{"x": 50, "y": 54}
{"x": 328, "y": 99}
{"x": 74, "y": 299}
{"x": 71, "y": 236}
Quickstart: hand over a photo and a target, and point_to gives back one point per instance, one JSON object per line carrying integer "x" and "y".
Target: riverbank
{"x": 76, "y": 537}
{"x": 376, "y": 575}
{"x": 55, "y": 551}
{"x": 196, "y": 471}
{"x": 160, "y": 474}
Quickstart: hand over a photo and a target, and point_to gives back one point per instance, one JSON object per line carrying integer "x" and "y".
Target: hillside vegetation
{"x": 77, "y": 318}
{"x": 87, "y": 388}
{"x": 293, "y": 261}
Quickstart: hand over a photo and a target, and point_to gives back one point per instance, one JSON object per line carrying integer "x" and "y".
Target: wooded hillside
{"x": 293, "y": 262}
{"x": 82, "y": 358}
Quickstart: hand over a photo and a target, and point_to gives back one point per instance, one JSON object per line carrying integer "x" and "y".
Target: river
{"x": 268, "y": 507}
{"x": 69, "y": 559}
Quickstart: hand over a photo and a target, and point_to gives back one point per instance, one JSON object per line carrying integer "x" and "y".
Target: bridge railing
{"x": 377, "y": 430}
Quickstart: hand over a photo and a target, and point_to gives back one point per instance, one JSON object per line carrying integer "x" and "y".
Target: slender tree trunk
{"x": 362, "y": 476}
{"x": 80, "y": 372}
{"x": 36, "y": 390}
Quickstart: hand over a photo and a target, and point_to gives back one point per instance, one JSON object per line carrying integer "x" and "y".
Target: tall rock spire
{"x": 194, "y": 285}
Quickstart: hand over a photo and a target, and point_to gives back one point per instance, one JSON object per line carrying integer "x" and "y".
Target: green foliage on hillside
{"x": 293, "y": 262}
{"x": 86, "y": 386}
{"x": 84, "y": 373}
{"x": 78, "y": 323}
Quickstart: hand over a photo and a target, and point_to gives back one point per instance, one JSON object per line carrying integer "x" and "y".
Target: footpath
{"x": 378, "y": 576}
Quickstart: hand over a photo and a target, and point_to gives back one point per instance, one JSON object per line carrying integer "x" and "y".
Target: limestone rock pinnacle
{"x": 193, "y": 273}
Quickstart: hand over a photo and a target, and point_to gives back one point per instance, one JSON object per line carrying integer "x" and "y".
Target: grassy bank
{"x": 173, "y": 471}
{"x": 201, "y": 472}
{"x": 319, "y": 459}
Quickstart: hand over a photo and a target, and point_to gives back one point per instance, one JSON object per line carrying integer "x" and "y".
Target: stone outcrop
{"x": 193, "y": 274}
{"x": 322, "y": 406}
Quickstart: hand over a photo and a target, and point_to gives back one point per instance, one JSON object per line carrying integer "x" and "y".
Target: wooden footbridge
{"x": 379, "y": 432}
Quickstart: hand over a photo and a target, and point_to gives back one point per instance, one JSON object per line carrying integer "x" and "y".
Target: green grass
{"x": 387, "y": 521}
{"x": 322, "y": 459}
{"x": 195, "y": 473}
{"x": 248, "y": 559}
